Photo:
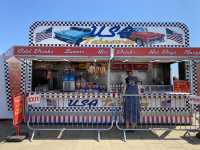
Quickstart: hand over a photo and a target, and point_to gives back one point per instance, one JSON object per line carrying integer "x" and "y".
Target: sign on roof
{"x": 61, "y": 51}
{"x": 160, "y": 52}
{"x": 109, "y": 34}
{"x": 29, "y": 51}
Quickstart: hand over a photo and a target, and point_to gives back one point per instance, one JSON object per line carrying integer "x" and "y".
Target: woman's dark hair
{"x": 128, "y": 72}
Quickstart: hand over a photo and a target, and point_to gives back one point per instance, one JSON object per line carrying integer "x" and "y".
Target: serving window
{"x": 69, "y": 76}
{"x": 158, "y": 75}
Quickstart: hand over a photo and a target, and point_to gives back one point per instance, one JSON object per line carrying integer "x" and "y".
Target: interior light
{"x": 66, "y": 60}
{"x": 156, "y": 60}
{"x": 126, "y": 60}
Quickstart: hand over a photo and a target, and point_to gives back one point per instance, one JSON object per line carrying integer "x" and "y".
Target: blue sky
{"x": 17, "y": 15}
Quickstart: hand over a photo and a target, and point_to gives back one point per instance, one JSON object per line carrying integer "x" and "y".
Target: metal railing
{"x": 145, "y": 88}
{"x": 156, "y": 88}
{"x": 100, "y": 112}
{"x": 72, "y": 111}
{"x": 158, "y": 112}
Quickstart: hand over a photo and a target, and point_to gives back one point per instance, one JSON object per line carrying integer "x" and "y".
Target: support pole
{"x": 60, "y": 134}
{"x": 32, "y": 136}
{"x": 99, "y": 136}
{"x": 124, "y": 133}
{"x": 108, "y": 78}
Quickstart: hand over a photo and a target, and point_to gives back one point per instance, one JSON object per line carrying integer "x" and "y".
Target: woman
{"x": 50, "y": 79}
{"x": 131, "y": 103}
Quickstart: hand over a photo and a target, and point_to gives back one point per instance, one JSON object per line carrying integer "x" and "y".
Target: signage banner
{"x": 33, "y": 99}
{"x": 18, "y": 102}
{"x": 154, "y": 102}
{"x": 75, "y": 102}
{"x": 195, "y": 99}
{"x": 181, "y": 86}
{"x": 171, "y": 52}
{"x": 115, "y": 34}
{"x": 163, "y": 102}
{"x": 104, "y": 52}
{"x": 129, "y": 67}
{"x": 60, "y": 51}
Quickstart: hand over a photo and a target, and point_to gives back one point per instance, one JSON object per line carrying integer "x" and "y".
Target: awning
{"x": 56, "y": 53}
{"x": 157, "y": 53}
{"x": 89, "y": 53}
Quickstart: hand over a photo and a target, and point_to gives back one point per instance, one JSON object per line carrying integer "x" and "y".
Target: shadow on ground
{"x": 192, "y": 139}
{"x": 7, "y": 129}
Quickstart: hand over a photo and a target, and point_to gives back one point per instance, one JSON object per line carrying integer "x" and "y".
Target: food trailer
{"x": 72, "y": 75}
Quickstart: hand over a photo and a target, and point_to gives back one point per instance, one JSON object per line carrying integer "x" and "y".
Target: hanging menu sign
{"x": 181, "y": 86}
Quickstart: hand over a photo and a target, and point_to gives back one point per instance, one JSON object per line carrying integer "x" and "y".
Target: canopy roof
{"x": 99, "y": 53}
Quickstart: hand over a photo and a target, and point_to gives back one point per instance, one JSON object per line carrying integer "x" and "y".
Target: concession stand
{"x": 74, "y": 72}
{"x": 80, "y": 83}
{"x": 92, "y": 79}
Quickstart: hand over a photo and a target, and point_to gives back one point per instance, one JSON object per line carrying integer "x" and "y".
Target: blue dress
{"x": 132, "y": 105}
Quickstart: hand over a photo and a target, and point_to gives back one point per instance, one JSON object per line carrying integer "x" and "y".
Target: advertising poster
{"x": 119, "y": 34}
{"x": 181, "y": 86}
{"x": 18, "y": 102}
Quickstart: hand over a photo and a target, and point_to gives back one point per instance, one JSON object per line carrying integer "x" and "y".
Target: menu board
{"x": 181, "y": 86}
{"x": 129, "y": 67}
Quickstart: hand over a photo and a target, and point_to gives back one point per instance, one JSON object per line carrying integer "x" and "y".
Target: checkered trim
{"x": 23, "y": 75}
{"x": 161, "y": 109}
{"x": 194, "y": 81}
{"x": 26, "y": 75}
{"x": 73, "y": 109}
{"x": 187, "y": 71}
{"x": 77, "y": 95}
{"x": 23, "y": 84}
{"x": 136, "y": 24}
{"x": 29, "y": 76}
{"x": 194, "y": 77}
{"x": 7, "y": 83}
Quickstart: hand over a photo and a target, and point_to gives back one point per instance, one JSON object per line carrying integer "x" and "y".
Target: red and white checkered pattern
{"x": 147, "y": 119}
{"x": 71, "y": 119}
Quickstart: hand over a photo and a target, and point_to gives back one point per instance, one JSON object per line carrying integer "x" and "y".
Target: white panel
{"x": 4, "y": 113}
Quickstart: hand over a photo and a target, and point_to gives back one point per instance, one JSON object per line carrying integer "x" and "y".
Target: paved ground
{"x": 111, "y": 140}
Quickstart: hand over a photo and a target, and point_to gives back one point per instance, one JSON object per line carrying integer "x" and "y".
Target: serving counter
{"x": 157, "y": 108}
